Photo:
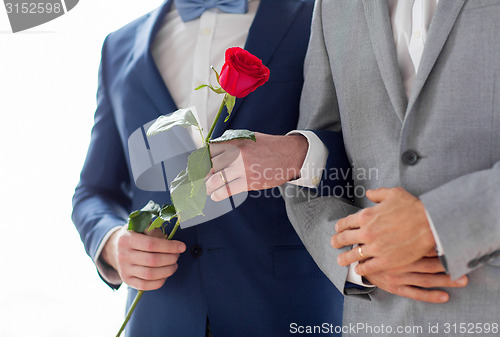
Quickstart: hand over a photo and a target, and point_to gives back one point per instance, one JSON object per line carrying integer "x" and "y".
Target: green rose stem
{"x": 171, "y": 235}
{"x": 141, "y": 292}
{"x": 130, "y": 311}
{"x": 216, "y": 119}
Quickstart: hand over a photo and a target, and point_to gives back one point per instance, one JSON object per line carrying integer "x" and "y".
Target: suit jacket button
{"x": 196, "y": 251}
{"x": 473, "y": 264}
{"x": 410, "y": 157}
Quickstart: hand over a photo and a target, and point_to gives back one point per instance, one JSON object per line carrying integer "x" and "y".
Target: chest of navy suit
{"x": 246, "y": 271}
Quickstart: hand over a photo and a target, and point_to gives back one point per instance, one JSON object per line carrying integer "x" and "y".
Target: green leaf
{"x": 230, "y": 101}
{"x": 199, "y": 164}
{"x": 188, "y": 196}
{"x": 181, "y": 117}
{"x": 134, "y": 214}
{"x": 234, "y": 134}
{"x": 139, "y": 222}
{"x": 168, "y": 212}
{"x": 201, "y": 86}
{"x": 156, "y": 224}
{"x": 218, "y": 90}
{"x": 152, "y": 207}
{"x": 216, "y": 74}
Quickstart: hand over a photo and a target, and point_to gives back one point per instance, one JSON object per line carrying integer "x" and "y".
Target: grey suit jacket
{"x": 442, "y": 145}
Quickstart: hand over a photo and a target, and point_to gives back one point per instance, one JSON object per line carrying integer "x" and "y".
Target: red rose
{"x": 242, "y": 73}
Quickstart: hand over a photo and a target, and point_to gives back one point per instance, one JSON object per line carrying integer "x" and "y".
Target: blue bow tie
{"x": 192, "y": 9}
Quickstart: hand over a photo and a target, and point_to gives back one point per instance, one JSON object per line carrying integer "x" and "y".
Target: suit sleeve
{"x": 466, "y": 216}
{"x": 102, "y": 198}
{"x": 312, "y": 215}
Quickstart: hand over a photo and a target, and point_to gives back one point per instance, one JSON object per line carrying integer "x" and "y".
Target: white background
{"x": 48, "y": 81}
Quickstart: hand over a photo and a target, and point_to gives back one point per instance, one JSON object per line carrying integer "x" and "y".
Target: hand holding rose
{"x": 250, "y": 166}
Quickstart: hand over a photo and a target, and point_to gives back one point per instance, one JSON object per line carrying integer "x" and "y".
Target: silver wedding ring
{"x": 221, "y": 173}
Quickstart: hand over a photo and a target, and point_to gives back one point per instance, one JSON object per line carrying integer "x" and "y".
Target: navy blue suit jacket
{"x": 247, "y": 271}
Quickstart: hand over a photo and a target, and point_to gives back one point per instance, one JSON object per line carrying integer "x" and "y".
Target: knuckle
{"x": 426, "y": 282}
{"x": 397, "y": 191}
{"x": 391, "y": 279}
{"x": 365, "y": 215}
{"x": 149, "y": 244}
{"x": 148, "y": 274}
{"x": 172, "y": 269}
{"x": 152, "y": 260}
{"x": 392, "y": 289}
{"x": 375, "y": 249}
{"x": 366, "y": 234}
{"x": 123, "y": 242}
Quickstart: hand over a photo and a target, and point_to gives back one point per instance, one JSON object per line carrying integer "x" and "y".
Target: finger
{"x": 153, "y": 274}
{"x": 156, "y": 245}
{"x": 352, "y": 256}
{"x": 346, "y": 238}
{"x": 226, "y": 158}
{"x": 433, "y": 280}
{"x": 374, "y": 265}
{"x": 218, "y": 148}
{"x": 234, "y": 187}
{"x": 215, "y": 181}
{"x": 155, "y": 232}
{"x": 349, "y": 222}
{"x": 423, "y": 295}
{"x": 430, "y": 265}
{"x": 155, "y": 260}
{"x": 378, "y": 195}
{"x": 140, "y": 284}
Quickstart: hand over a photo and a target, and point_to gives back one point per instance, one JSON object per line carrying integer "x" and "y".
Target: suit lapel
{"x": 271, "y": 23}
{"x": 380, "y": 30}
{"x": 444, "y": 18}
{"x": 144, "y": 66}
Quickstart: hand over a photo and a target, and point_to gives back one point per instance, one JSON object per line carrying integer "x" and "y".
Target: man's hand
{"x": 392, "y": 234}
{"x": 412, "y": 280}
{"x": 250, "y": 166}
{"x": 144, "y": 262}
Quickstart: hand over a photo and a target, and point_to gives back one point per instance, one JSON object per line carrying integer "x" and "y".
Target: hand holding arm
{"x": 393, "y": 234}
